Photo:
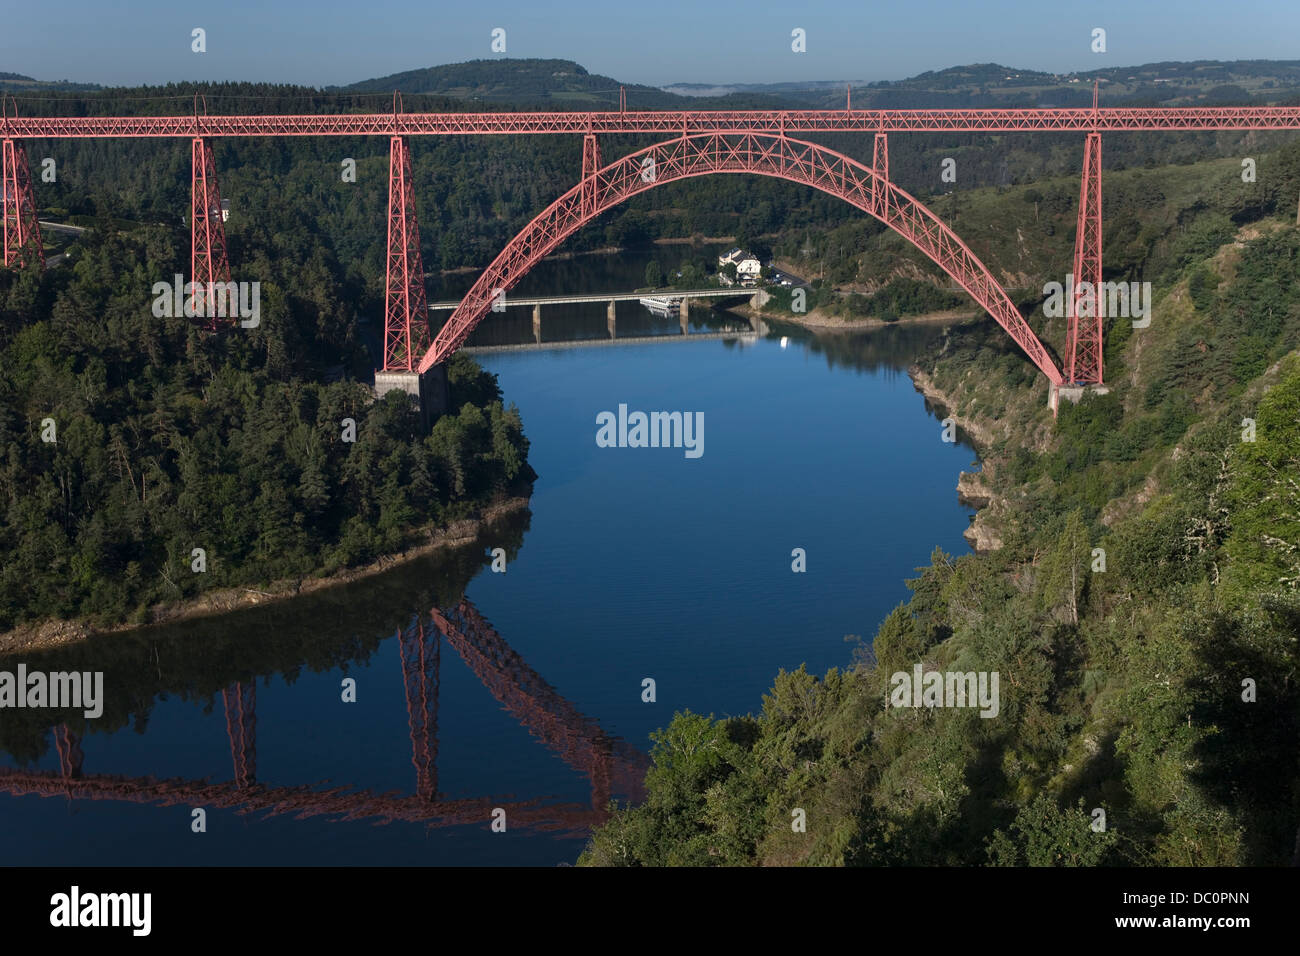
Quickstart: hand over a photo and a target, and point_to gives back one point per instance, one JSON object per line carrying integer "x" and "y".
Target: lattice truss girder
{"x": 335, "y": 803}
{"x": 576, "y": 739}
{"x": 1080, "y": 119}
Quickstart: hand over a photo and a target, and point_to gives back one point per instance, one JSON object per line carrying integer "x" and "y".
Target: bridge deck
{"x": 746, "y": 335}
{"x": 673, "y": 122}
{"x": 743, "y": 293}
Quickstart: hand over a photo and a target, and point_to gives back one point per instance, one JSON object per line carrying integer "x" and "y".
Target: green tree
{"x": 1063, "y": 571}
{"x": 1045, "y": 835}
{"x": 654, "y": 274}
{"x": 1264, "y": 495}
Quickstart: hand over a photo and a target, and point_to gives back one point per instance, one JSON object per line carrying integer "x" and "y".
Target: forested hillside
{"x": 165, "y": 439}
{"x": 1157, "y": 219}
{"x": 544, "y": 84}
{"x": 1142, "y": 613}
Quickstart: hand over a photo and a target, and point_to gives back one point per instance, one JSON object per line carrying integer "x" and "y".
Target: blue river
{"x": 519, "y": 697}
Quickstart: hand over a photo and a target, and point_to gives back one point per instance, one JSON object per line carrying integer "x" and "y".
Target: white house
{"x": 747, "y": 270}
{"x": 747, "y": 266}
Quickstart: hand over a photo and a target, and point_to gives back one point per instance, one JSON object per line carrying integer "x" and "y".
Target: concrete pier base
{"x": 1071, "y": 393}
{"x": 428, "y": 393}
{"x": 537, "y": 324}
{"x": 610, "y": 320}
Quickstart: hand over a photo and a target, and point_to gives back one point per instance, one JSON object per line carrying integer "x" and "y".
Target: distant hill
{"x": 18, "y": 83}
{"x": 564, "y": 84}
{"x": 1174, "y": 83}
{"x": 507, "y": 81}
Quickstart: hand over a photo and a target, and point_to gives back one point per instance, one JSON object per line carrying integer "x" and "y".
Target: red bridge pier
{"x": 406, "y": 310}
{"x": 22, "y": 230}
{"x": 1084, "y": 337}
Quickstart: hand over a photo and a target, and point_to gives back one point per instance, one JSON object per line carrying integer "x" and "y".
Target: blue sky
{"x": 639, "y": 41}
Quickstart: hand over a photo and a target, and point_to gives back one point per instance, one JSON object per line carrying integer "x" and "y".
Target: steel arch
{"x": 767, "y": 154}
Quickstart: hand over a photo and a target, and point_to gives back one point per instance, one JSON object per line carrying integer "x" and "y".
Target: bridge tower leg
{"x": 241, "y": 726}
{"x": 601, "y": 788}
{"x": 420, "y": 647}
{"x": 406, "y": 314}
{"x": 590, "y": 164}
{"x": 70, "y": 755}
{"x": 1083, "y": 357}
{"x": 208, "y": 261}
{"x": 22, "y": 230}
{"x": 406, "y": 310}
{"x": 880, "y": 166}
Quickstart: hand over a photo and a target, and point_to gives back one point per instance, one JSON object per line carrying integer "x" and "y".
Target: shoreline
{"x": 972, "y": 487}
{"x": 42, "y": 635}
{"x": 818, "y": 321}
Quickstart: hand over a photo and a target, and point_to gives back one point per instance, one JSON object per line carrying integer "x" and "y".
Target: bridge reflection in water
{"x": 614, "y": 767}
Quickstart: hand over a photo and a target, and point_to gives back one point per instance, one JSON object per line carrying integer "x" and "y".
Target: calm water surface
{"x": 521, "y": 691}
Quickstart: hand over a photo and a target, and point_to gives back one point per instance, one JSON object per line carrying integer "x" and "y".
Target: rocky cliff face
{"x": 982, "y": 533}
{"x": 972, "y": 487}
{"x": 972, "y": 491}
